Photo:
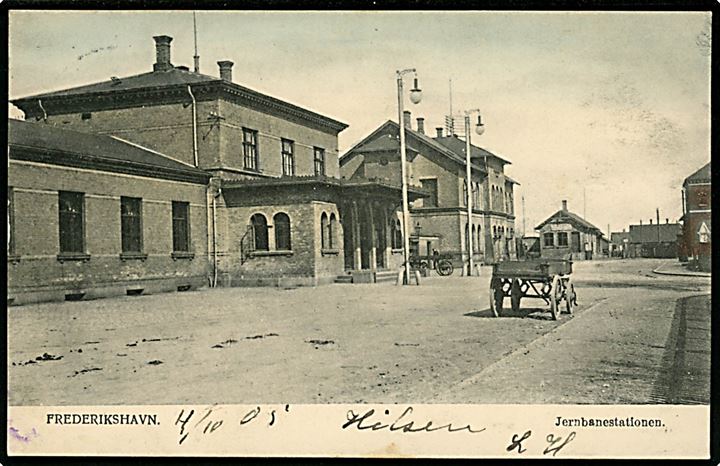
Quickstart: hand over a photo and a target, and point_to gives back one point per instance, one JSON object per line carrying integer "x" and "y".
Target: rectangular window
{"x": 131, "y": 224}
{"x": 562, "y": 239}
{"x": 548, "y": 240}
{"x": 72, "y": 234}
{"x": 288, "y": 157}
{"x": 181, "y": 226}
{"x": 430, "y": 186}
{"x": 319, "y": 161}
{"x": 250, "y": 149}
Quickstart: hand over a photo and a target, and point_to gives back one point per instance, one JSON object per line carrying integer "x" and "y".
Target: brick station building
{"x": 275, "y": 210}
{"x": 90, "y": 215}
{"x": 437, "y": 166}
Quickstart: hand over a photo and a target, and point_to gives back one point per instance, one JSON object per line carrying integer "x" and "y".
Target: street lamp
{"x": 479, "y": 129}
{"x": 415, "y": 97}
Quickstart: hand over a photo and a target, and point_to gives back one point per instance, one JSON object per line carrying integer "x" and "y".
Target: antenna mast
{"x": 449, "y": 119}
{"x": 196, "y": 57}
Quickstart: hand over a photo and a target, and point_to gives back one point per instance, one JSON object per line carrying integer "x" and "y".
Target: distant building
{"x": 696, "y": 236}
{"x": 566, "y": 235}
{"x": 619, "y": 242}
{"x": 653, "y": 240}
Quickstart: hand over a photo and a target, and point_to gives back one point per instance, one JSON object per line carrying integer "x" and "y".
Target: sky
{"x": 610, "y": 111}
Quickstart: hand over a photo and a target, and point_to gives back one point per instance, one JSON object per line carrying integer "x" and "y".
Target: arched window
{"x": 260, "y": 232}
{"x": 331, "y": 231}
{"x": 323, "y": 231}
{"x": 281, "y": 222}
{"x": 477, "y": 239}
{"x": 465, "y": 192}
{"x": 494, "y": 231}
{"x": 282, "y": 231}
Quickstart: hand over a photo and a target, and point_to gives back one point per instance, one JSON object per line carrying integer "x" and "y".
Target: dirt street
{"x": 636, "y": 337}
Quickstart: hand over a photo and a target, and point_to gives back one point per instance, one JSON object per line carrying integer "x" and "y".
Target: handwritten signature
{"x": 401, "y": 423}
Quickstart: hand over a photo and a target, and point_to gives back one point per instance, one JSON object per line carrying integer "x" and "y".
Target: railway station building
{"x": 265, "y": 202}
{"x": 436, "y": 164}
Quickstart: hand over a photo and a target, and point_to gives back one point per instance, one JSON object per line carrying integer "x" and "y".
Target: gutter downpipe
{"x": 214, "y": 237}
{"x": 194, "y": 127}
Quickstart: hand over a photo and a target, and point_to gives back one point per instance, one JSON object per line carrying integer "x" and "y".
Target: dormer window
{"x": 86, "y": 116}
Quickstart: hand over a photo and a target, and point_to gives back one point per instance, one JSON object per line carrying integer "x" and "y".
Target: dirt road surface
{"x": 636, "y": 337}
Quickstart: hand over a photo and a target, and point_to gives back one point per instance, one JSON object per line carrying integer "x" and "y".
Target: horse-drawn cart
{"x": 548, "y": 280}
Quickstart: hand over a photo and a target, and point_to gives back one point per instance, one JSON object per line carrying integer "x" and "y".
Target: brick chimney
{"x": 408, "y": 120}
{"x": 564, "y": 205}
{"x": 421, "y": 125}
{"x": 225, "y": 70}
{"x": 439, "y": 131}
{"x": 162, "y": 53}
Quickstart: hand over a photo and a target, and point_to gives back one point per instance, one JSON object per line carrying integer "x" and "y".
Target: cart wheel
{"x": 444, "y": 268}
{"x": 515, "y": 295}
{"x": 570, "y": 298}
{"x": 496, "y": 296}
{"x": 555, "y": 297}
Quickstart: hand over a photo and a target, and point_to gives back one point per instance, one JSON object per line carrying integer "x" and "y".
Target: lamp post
{"x": 415, "y": 97}
{"x": 479, "y": 129}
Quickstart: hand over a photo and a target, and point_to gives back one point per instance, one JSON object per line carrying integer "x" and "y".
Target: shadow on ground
{"x": 526, "y": 313}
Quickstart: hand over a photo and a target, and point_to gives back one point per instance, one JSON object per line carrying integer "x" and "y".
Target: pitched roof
{"x": 177, "y": 77}
{"x": 562, "y": 216}
{"x": 649, "y": 233}
{"x": 385, "y": 143}
{"x": 703, "y": 175}
{"x": 458, "y": 146}
{"x": 60, "y": 144}
{"x": 170, "y": 77}
{"x": 414, "y": 139}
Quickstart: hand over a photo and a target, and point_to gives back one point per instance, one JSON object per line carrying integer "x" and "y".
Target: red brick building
{"x": 276, "y": 211}
{"x": 696, "y": 237}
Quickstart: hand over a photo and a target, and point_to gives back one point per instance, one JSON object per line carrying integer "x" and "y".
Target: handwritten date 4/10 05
{"x": 206, "y": 422}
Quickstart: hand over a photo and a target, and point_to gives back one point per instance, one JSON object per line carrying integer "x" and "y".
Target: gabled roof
{"x": 163, "y": 81}
{"x": 458, "y": 146}
{"x": 414, "y": 139}
{"x": 703, "y": 175}
{"x": 69, "y": 147}
{"x": 385, "y": 143}
{"x": 565, "y": 216}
